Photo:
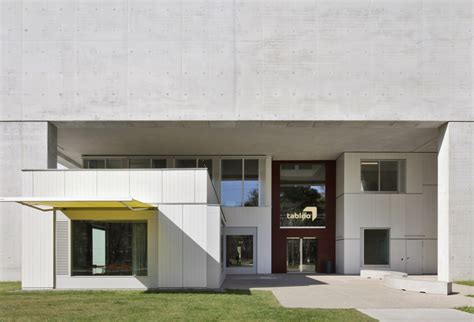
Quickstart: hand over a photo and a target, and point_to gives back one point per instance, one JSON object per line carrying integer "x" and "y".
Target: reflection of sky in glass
{"x": 250, "y": 186}
{"x": 320, "y": 189}
{"x": 231, "y": 193}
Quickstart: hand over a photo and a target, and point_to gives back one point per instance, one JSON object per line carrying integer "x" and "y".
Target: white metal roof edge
{"x": 56, "y": 198}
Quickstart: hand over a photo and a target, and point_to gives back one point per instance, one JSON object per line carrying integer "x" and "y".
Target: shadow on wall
{"x": 183, "y": 261}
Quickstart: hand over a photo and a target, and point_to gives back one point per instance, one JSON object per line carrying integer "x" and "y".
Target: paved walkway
{"x": 343, "y": 291}
{"x": 418, "y": 315}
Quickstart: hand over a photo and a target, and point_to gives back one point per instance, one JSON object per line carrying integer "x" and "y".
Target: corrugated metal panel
{"x": 62, "y": 247}
{"x": 170, "y": 246}
{"x": 178, "y": 186}
{"x": 113, "y": 183}
{"x": 147, "y": 186}
{"x": 80, "y": 183}
{"x": 194, "y": 245}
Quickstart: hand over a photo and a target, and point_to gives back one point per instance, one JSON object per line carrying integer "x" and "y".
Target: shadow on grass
{"x": 194, "y": 291}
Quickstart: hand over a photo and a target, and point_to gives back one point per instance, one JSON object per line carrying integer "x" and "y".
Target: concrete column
{"x": 23, "y": 145}
{"x": 456, "y": 202}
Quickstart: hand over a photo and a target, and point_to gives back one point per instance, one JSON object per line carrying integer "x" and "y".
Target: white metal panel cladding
{"x": 170, "y": 246}
{"x": 80, "y": 183}
{"x": 179, "y": 186}
{"x": 48, "y": 183}
{"x": 259, "y": 217}
{"x": 194, "y": 245}
{"x": 147, "y": 186}
{"x": 200, "y": 186}
{"x": 62, "y": 247}
{"x": 37, "y": 249}
{"x": 113, "y": 183}
{"x": 214, "y": 269}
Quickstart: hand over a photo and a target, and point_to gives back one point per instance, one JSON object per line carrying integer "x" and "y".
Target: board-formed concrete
{"x": 236, "y": 60}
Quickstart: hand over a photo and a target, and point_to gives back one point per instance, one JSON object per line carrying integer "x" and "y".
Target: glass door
{"x": 308, "y": 256}
{"x": 293, "y": 258}
{"x": 301, "y": 254}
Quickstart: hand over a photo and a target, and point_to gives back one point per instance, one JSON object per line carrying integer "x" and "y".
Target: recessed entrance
{"x": 301, "y": 254}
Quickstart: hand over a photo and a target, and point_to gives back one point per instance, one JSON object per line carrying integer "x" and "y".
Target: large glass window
{"x": 109, "y": 248}
{"x": 380, "y": 175}
{"x": 239, "y": 183}
{"x": 239, "y": 250}
{"x": 251, "y": 183}
{"x": 376, "y": 247}
{"x": 302, "y": 195}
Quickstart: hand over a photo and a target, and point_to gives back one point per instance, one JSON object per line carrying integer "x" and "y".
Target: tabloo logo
{"x": 307, "y": 213}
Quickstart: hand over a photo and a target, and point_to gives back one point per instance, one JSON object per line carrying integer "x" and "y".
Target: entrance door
{"x": 301, "y": 254}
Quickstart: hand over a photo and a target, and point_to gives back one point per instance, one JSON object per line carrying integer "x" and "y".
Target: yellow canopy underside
{"x": 64, "y": 203}
{"x": 89, "y": 204}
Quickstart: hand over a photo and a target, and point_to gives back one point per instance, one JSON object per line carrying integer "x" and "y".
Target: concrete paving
{"x": 343, "y": 291}
{"x": 419, "y": 315}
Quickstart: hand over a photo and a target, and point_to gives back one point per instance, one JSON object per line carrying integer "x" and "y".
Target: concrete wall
{"x": 411, "y": 215}
{"x": 236, "y": 60}
{"x": 22, "y": 145}
{"x": 184, "y": 234}
{"x": 456, "y": 202}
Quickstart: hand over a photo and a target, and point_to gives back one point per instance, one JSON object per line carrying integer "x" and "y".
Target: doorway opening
{"x": 301, "y": 254}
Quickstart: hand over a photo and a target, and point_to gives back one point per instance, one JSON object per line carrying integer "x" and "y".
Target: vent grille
{"x": 62, "y": 248}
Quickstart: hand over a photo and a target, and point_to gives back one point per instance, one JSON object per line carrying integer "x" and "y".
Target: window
{"x": 185, "y": 163}
{"x": 302, "y": 194}
{"x": 158, "y": 163}
{"x": 376, "y": 247}
{"x": 116, "y": 163}
{"x": 239, "y": 182}
{"x": 109, "y": 248}
{"x": 239, "y": 250}
{"x": 94, "y": 164}
{"x": 140, "y": 163}
{"x": 381, "y": 175}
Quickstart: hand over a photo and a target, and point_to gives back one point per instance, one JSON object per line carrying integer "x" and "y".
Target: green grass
{"x": 468, "y": 309}
{"x": 20, "y": 305}
{"x": 468, "y": 283}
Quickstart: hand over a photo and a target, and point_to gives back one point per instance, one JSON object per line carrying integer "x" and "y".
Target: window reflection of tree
{"x": 294, "y": 198}
{"x": 252, "y": 198}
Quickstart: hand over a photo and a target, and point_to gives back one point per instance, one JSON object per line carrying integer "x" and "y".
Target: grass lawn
{"x": 138, "y": 305}
{"x": 468, "y": 309}
{"x": 468, "y": 283}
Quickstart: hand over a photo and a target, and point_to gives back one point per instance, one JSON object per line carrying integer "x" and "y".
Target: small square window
{"x": 380, "y": 175}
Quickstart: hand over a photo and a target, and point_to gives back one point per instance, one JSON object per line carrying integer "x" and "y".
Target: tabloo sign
{"x": 308, "y": 213}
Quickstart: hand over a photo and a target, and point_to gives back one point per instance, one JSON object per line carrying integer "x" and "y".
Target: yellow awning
{"x": 62, "y": 203}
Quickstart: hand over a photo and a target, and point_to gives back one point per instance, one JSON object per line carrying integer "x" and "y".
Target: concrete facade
{"x": 282, "y": 79}
{"x": 236, "y": 60}
{"x": 456, "y": 202}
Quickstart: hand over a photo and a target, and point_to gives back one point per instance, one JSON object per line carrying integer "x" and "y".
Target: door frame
{"x": 232, "y": 231}
{"x": 300, "y": 265}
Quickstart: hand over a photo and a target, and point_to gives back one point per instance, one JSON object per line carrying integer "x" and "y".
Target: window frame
{"x": 242, "y": 204}
{"x": 71, "y": 248}
{"x": 379, "y": 161}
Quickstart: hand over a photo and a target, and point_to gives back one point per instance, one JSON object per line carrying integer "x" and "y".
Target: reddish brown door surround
{"x": 326, "y": 236}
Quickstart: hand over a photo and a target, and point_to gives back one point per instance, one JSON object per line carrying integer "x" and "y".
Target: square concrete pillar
{"x": 23, "y": 145}
{"x": 456, "y": 202}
